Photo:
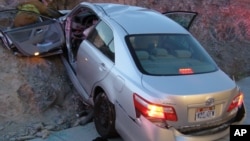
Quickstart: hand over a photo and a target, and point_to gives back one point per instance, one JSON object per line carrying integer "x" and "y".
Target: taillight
{"x": 237, "y": 102}
{"x": 153, "y": 111}
{"x": 186, "y": 71}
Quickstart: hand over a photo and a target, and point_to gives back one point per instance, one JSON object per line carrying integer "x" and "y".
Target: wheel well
{"x": 98, "y": 90}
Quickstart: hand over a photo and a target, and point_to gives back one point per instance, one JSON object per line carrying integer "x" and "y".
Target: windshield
{"x": 169, "y": 54}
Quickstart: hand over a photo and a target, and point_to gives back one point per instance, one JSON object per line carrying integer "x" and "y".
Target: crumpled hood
{"x": 188, "y": 84}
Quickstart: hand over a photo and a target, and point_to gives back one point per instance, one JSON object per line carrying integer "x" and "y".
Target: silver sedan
{"x": 145, "y": 75}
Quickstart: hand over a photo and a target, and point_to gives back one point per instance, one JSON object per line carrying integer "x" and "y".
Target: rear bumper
{"x": 221, "y": 135}
{"x": 143, "y": 129}
{"x": 211, "y": 137}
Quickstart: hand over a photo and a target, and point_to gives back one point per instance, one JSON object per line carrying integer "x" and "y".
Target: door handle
{"x": 38, "y": 31}
{"x": 102, "y": 67}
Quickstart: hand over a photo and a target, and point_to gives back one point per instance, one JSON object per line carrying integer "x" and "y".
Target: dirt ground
{"x": 36, "y": 97}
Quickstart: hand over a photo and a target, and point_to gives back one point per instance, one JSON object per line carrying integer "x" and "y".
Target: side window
{"x": 103, "y": 39}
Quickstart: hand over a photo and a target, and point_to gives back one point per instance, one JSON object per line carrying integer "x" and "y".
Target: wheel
{"x": 104, "y": 116}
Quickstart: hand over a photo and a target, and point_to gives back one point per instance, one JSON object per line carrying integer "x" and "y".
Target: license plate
{"x": 204, "y": 113}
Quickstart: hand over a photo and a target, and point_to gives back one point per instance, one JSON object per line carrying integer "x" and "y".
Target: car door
{"x": 40, "y": 36}
{"x": 184, "y": 18}
{"x": 95, "y": 56}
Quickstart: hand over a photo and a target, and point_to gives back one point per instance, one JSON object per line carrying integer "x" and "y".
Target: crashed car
{"x": 143, "y": 72}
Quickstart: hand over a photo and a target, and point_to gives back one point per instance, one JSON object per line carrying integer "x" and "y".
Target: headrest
{"x": 160, "y": 52}
{"x": 87, "y": 30}
{"x": 142, "y": 55}
{"x": 183, "y": 53}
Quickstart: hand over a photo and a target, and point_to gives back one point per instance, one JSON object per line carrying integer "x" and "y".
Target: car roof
{"x": 139, "y": 20}
{"x": 136, "y": 20}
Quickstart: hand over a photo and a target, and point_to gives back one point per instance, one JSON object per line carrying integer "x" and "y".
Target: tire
{"x": 241, "y": 113}
{"x": 104, "y": 116}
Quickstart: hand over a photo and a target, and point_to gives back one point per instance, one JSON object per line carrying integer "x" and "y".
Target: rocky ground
{"x": 37, "y": 97}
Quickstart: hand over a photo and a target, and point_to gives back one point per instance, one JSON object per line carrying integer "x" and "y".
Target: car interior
{"x": 82, "y": 23}
{"x": 155, "y": 57}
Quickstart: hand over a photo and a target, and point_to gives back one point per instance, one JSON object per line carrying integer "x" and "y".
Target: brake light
{"x": 186, "y": 71}
{"x": 237, "y": 102}
{"x": 153, "y": 111}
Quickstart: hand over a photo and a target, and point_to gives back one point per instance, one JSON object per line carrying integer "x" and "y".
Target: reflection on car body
{"x": 145, "y": 75}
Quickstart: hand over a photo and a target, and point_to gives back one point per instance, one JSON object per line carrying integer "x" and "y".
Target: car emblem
{"x": 209, "y": 102}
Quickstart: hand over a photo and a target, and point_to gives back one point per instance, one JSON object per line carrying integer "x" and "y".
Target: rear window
{"x": 169, "y": 54}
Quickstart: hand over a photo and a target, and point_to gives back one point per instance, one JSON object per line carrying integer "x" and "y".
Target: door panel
{"x": 43, "y": 36}
{"x": 92, "y": 65}
{"x": 184, "y": 18}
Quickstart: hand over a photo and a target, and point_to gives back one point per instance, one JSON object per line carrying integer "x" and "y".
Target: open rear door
{"x": 184, "y": 18}
{"x": 43, "y": 37}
